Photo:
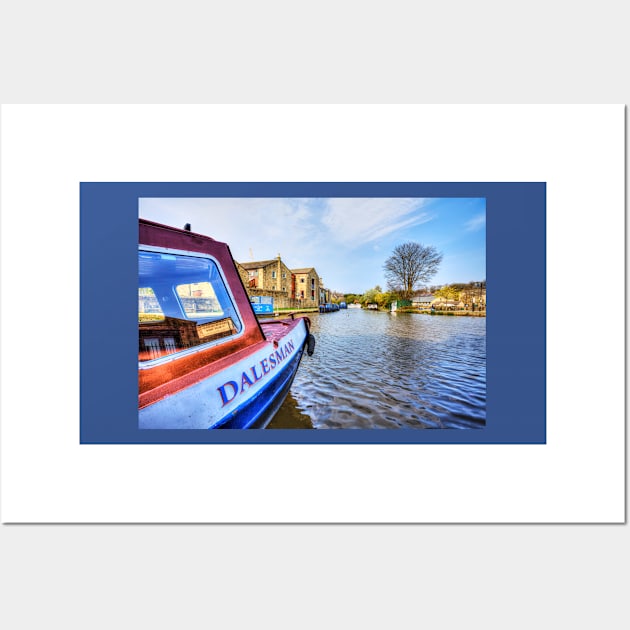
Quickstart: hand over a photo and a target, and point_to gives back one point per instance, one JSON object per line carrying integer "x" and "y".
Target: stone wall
{"x": 280, "y": 299}
{"x": 243, "y": 273}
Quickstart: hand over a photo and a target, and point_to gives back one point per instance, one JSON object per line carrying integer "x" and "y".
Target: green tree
{"x": 369, "y": 297}
{"x": 448, "y": 292}
{"x": 384, "y": 299}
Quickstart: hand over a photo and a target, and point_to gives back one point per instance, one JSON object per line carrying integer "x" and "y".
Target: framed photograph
{"x": 377, "y": 326}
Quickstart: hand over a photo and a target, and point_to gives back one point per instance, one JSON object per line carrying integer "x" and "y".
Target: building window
{"x": 148, "y": 306}
{"x": 199, "y": 300}
{"x": 301, "y": 279}
{"x": 312, "y": 295}
{"x": 284, "y": 275}
{"x": 169, "y": 344}
{"x": 273, "y": 275}
{"x": 152, "y": 347}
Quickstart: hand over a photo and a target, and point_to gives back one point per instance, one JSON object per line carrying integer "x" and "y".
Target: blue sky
{"x": 347, "y": 240}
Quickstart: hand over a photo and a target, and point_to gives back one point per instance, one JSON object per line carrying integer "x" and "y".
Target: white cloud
{"x": 355, "y": 222}
{"x": 266, "y": 226}
{"x": 476, "y": 223}
{"x": 315, "y": 232}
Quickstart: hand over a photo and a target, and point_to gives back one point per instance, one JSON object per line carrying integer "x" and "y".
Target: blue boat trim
{"x": 259, "y": 410}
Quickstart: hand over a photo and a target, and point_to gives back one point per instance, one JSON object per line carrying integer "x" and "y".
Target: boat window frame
{"x": 185, "y": 352}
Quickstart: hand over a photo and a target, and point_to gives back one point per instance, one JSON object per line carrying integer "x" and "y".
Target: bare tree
{"x": 410, "y": 265}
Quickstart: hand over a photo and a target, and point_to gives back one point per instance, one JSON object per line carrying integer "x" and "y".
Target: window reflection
{"x": 182, "y": 303}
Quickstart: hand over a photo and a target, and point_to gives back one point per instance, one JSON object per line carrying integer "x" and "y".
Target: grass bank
{"x": 447, "y": 313}
{"x": 454, "y": 313}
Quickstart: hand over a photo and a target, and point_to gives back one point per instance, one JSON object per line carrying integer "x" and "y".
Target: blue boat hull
{"x": 245, "y": 394}
{"x": 257, "y": 412}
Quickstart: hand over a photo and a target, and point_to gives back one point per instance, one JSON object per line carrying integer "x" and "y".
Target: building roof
{"x": 304, "y": 270}
{"x": 424, "y": 298}
{"x": 258, "y": 264}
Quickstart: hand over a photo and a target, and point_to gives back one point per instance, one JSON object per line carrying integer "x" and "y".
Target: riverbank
{"x": 295, "y": 311}
{"x": 438, "y": 312}
{"x": 455, "y": 313}
{"x": 287, "y": 312}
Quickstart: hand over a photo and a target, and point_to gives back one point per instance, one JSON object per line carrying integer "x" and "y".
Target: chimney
{"x": 279, "y": 273}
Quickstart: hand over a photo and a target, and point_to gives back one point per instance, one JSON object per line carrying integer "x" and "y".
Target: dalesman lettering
{"x": 231, "y": 389}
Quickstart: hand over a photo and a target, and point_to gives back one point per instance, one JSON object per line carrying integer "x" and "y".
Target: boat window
{"x": 182, "y": 303}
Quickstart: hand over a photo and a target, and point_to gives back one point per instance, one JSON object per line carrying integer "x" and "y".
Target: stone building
{"x": 243, "y": 273}
{"x": 271, "y": 275}
{"x": 324, "y": 294}
{"x": 307, "y": 286}
{"x": 290, "y": 288}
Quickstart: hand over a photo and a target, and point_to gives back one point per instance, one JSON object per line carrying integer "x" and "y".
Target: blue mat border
{"x": 516, "y": 321}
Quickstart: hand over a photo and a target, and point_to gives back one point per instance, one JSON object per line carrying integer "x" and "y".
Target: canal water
{"x": 377, "y": 370}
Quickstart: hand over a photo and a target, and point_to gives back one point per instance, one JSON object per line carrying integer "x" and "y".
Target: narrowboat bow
{"x": 205, "y": 361}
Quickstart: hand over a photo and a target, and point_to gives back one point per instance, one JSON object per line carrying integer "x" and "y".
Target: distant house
{"x": 423, "y": 301}
{"x": 447, "y": 305}
{"x": 307, "y": 286}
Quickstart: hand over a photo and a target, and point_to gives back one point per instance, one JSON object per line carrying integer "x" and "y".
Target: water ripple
{"x": 375, "y": 370}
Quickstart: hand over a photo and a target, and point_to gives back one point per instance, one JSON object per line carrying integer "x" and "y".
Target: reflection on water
{"x": 375, "y": 370}
{"x": 290, "y": 416}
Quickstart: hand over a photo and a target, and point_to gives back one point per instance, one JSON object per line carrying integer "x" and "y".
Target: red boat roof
{"x": 170, "y": 233}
